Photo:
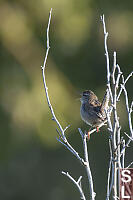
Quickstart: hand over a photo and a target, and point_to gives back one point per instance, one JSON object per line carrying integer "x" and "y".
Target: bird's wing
{"x": 98, "y": 112}
{"x": 95, "y": 103}
{"x": 95, "y": 108}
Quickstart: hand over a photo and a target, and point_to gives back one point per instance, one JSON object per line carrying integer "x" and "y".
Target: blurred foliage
{"x": 31, "y": 159}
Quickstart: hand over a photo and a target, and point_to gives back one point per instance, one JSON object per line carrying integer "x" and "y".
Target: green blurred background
{"x": 31, "y": 159}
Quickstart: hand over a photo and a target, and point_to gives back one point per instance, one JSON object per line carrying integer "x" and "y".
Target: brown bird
{"x": 92, "y": 111}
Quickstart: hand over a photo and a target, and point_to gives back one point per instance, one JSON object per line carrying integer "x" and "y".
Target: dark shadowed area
{"x": 31, "y": 159}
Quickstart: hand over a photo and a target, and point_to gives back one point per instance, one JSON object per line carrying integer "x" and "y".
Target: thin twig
{"x": 107, "y": 57}
{"x": 128, "y": 136}
{"x": 114, "y": 69}
{"x": 44, "y": 81}
{"x": 77, "y": 183}
{"x": 129, "y": 110}
{"x": 123, "y": 155}
{"x": 118, "y": 77}
{"x": 129, "y": 165}
{"x": 124, "y": 147}
{"x": 130, "y": 75}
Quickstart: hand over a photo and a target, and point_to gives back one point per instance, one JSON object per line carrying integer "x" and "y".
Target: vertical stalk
{"x": 88, "y": 171}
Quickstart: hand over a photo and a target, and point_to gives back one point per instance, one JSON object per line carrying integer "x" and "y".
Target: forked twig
{"x": 77, "y": 183}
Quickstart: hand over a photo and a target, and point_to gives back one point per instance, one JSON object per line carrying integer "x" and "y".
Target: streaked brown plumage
{"x": 92, "y": 110}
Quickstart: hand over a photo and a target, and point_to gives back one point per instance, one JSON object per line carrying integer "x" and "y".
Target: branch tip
{"x": 63, "y": 172}
{"x": 79, "y": 179}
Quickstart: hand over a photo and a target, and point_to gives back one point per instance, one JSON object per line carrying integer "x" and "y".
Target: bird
{"x": 92, "y": 111}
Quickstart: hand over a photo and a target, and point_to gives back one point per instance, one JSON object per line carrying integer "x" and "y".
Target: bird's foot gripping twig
{"x": 95, "y": 129}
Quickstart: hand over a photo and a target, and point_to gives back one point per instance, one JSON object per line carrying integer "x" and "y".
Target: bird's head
{"x": 87, "y": 95}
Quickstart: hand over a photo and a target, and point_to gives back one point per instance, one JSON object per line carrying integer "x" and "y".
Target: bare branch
{"x": 81, "y": 133}
{"x": 130, "y": 75}
{"x": 114, "y": 69}
{"x": 66, "y": 127}
{"x": 109, "y": 173}
{"x": 79, "y": 180}
{"x": 124, "y": 147}
{"x": 129, "y": 110}
{"x": 128, "y": 136}
{"x": 87, "y": 165}
{"x": 118, "y": 77}
{"x": 48, "y": 47}
{"x": 129, "y": 165}
{"x": 61, "y": 131}
{"x": 44, "y": 80}
{"x": 77, "y": 183}
{"x": 107, "y": 56}
{"x": 123, "y": 155}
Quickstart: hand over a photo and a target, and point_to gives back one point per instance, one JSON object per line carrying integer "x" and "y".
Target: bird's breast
{"x": 85, "y": 115}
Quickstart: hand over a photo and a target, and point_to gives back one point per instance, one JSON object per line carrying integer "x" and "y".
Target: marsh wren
{"x": 92, "y": 111}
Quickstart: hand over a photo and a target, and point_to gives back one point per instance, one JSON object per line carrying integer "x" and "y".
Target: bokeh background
{"x": 31, "y": 159}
